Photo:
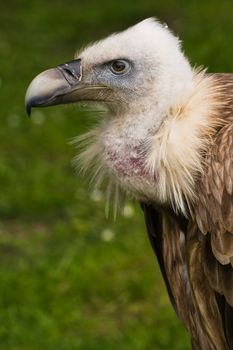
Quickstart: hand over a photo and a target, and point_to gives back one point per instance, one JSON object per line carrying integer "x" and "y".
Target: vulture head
{"x": 149, "y": 142}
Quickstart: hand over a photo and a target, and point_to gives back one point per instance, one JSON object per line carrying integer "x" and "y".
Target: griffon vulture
{"x": 167, "y": 140}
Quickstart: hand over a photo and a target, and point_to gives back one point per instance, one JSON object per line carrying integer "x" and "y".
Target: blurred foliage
{"x": 70, "y": 278}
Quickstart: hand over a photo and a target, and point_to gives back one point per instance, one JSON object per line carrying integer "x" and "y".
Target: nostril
{"x": 71, "y": 71}
{"x": 69, "y": 75}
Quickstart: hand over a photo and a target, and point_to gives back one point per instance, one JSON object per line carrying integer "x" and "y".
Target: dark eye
{"x": 119, "y": 67}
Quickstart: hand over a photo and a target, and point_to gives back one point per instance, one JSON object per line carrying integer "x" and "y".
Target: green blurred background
{"x": 69, "y": 277}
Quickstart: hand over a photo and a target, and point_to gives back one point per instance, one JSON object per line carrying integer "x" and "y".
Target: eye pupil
{"x": 118, "y": 66}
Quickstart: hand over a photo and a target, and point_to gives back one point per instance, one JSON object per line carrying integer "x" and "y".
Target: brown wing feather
{"x": 205, "y": 299}
{"x": 176, "y": 247}
{"x": 214, "y": 212}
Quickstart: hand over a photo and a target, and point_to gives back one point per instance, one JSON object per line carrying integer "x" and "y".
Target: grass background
{"x": 70, "y": 278}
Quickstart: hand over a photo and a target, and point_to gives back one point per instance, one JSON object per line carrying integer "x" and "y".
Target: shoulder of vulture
{"x": 214, "y": 206}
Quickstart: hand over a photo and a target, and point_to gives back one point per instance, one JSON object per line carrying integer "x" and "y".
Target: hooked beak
{"x": 56, "y": 86}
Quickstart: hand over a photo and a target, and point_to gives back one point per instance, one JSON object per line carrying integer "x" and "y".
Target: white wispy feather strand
{"x": 90, "y": 162}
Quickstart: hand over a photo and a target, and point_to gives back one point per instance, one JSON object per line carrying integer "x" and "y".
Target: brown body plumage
{"x": 196, "y": 254}
{"x": 168, "y": 142}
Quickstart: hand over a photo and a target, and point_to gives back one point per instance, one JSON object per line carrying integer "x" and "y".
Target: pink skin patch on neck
{"x": 127, "y": 163}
